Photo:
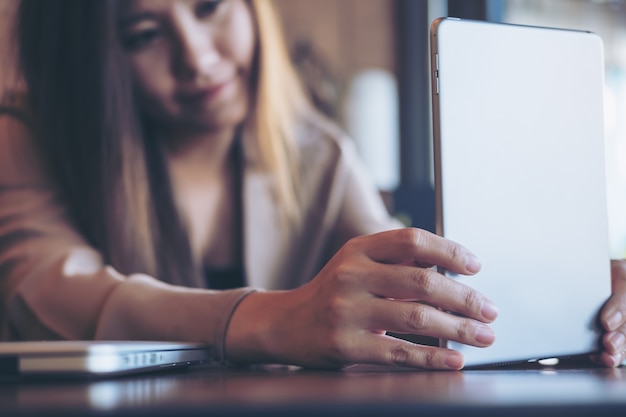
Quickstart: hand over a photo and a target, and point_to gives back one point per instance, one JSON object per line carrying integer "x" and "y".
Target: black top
{"x": 224, "y": 278}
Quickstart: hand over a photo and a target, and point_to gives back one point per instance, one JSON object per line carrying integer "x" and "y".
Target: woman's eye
{"x": 141, "y": 39}
{"x": 207, "y": 8}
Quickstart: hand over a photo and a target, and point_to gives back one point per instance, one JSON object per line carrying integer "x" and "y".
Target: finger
{"x": 415, "y": 318}
{"x": 426, "y": 285}
{"x": 386, "y": 350}
{"x": 612, "y": 317}
{"x": 608, "y": 360}
{"x": 618, "y": 275}
{"x": 613, "y": 314}
{"x": 614, "y": 342}
{"x": 419, "y": 247}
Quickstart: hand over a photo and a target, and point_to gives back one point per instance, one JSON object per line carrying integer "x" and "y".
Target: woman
{"x": 169, "y": 164}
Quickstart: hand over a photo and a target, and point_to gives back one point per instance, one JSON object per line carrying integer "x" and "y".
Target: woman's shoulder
{"x": 317, "y": 135}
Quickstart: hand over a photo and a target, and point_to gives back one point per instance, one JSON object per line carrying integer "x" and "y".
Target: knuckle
{"x": 336, "y": 347}
{"x": 353, "y": 243}
{"x": 463, "y": 330}
{"x": 345, "y": 275}
{"x": 357, "y": 244}
{"x": 429, "y": 358}
{"x": 417, "y": 318}
{"x": 400, "y": 355}
{"x": 405, "y": 355}
{"x": 337, "y": 312}
{"x": 425, "y": 281}
{"x": 471, "y": 300}
{"x": 335, "y": 351}
{"x": 455, "y": 253}
{"x": 412, "y": 236}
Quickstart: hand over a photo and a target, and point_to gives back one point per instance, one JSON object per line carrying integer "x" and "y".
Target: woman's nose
{"x": 195, "y": 53}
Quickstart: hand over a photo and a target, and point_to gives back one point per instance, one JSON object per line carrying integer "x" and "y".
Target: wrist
{"x": 249, "y": 337}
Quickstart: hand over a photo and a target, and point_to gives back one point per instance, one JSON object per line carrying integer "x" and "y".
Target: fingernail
{"x": 454, "y": 361}
{"x": 615, "y": 320}
{"x": 472, "y": 263}
{"x": 489, "y": 311}
{"x": 485, "y": 336}
{"x": 617, "y": 340}
{"x": 617, "y": 360}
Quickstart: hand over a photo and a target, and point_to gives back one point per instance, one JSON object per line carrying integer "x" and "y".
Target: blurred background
{"x": 365, "y": 64}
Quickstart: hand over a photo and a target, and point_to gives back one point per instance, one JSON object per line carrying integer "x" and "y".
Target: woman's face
{"x": 191, "y": 60}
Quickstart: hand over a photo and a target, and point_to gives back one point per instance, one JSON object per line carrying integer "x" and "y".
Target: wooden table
{"x": 357, "y": 391}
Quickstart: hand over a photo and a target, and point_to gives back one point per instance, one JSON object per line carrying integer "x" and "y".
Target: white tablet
{"x": 520, "y": 179}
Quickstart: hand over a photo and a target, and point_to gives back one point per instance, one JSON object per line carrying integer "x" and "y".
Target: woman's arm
{"x": 53, "y": 285}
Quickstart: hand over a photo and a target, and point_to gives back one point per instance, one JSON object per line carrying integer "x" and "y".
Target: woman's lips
{"x": 202, "y": 95}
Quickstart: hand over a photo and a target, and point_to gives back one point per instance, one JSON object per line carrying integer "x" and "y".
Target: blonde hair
{"x": 114, "y": 181}
{"x": 279, "y": 103}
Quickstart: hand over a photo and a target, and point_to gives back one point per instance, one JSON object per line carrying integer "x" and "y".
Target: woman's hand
{"x": 613, "y": 318}
{"x": 375, "y": 283}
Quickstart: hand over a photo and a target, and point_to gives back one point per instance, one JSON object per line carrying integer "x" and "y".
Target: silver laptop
{"x": 95, "y": 358}
{"x": 520, "y": 179}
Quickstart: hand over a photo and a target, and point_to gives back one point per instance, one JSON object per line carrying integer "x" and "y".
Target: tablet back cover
{"x": 520, "y": 179}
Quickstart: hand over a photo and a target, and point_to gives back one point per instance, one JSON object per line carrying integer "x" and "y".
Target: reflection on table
{"x": 365, "y": 390}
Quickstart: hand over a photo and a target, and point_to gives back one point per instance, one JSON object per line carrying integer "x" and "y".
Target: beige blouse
{"x": 53, "y": 285}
